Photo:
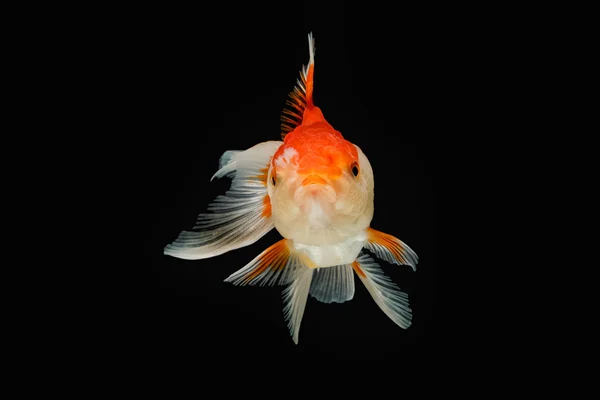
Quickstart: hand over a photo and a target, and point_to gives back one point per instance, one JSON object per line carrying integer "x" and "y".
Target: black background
{"x": 442, "y": 99}
{"x": 198, "y": 82}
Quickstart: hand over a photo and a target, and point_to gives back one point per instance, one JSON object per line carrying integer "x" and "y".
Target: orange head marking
{"x": 325, "y": 155}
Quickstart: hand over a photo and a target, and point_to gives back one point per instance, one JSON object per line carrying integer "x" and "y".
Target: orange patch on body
{"x": 359, "y": 271}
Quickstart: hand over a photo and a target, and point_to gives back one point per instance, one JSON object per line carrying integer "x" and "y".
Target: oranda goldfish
{"x": 317, "y": 190}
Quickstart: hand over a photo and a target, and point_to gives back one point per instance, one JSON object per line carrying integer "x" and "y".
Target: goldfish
{"x": 317, "y": 190}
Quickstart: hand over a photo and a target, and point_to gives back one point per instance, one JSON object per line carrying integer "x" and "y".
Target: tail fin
{"x": 301, "y": 98}
{"x": 388, "y": 296}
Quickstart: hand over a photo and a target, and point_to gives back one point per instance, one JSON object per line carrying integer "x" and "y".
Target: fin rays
{"x": 301, "y": 97}
{"x": 275, "y": 265}
{"x": 294, "y": 299}
{"x": 390, "y": 299}
{"x": 279, "y": 264}
{"x": 240, "y": 217}
{"x": 390, "y": 249}
{"x": 333, "y": 284}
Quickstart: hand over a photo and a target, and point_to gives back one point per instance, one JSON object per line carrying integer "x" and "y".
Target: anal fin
{"x": 333, "y": 284}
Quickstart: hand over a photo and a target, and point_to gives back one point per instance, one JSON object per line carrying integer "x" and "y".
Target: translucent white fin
{"x": 390, "y": 249}
{"x": 311, "y": 54}
{"x": 311, "y": 46}
{"x": 294, "y": 300}
{"x": 274, "y": 266}
{"x": 241, "y": 216}
{"x": 333, "y": 284}
{"x": 387, "y": 295}
{"x": 226, "y": 160}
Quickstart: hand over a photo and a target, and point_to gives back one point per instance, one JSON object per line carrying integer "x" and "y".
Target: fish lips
{"x": 315, "y": 187}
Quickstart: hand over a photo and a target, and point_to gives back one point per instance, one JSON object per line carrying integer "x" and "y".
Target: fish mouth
{"x": 315, "y": 187}
{"x": 313, "y": 179}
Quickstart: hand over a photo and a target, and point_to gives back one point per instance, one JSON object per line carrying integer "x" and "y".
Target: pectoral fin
{"x": 276, "y": 265}
{"x": 390, "y": 248}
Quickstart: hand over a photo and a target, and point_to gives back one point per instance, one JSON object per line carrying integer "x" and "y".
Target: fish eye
{"x": 355, "y": 169}
{"x": 273, "y": 181}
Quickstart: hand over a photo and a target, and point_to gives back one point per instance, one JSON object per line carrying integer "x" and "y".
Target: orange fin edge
{"x": 390, "y": 248}
{"x": 268, "y": 268}
{"x": 357, "y": 269}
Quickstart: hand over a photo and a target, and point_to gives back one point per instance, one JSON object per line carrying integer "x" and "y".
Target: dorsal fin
{"x": 301, "y": 98}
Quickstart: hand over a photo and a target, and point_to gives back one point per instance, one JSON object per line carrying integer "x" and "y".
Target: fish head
{"x": 321, "y": 190}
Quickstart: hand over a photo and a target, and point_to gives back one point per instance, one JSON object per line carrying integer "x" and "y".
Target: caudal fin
{"x": 392, "y": 301}
{"x": 301, "y": 98}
